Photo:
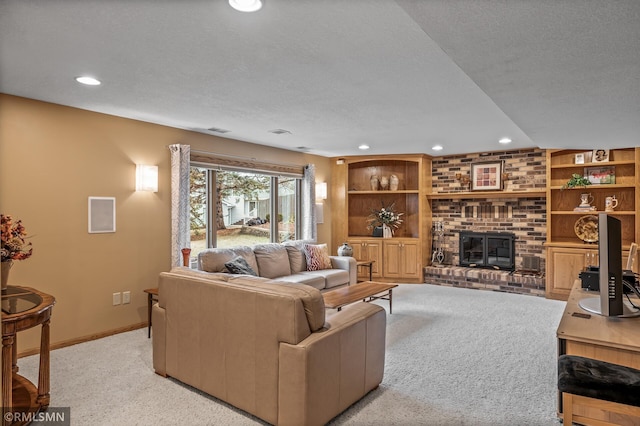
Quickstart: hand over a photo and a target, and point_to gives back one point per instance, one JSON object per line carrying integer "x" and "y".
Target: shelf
{"x": 571, "y": 243}
{"x": 594, "y": 212}
{"x": 590, "y": 187}
{"x": 487, "y": 194}
{"x": 609, "y": 163}
{"x": 403, "y": 191}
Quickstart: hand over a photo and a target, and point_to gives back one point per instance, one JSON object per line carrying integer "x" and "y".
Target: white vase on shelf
{"x": 386, "y": 231}
{"x": 384, "y": 183}
{"x": 393, "y": 182}
{"x": 374, "y": 181}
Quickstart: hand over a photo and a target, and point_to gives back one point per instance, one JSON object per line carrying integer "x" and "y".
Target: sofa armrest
{"x": 346, "y": 263}
{"x": 332, "y": 368}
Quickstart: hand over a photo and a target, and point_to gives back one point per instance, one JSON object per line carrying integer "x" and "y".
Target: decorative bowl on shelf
{"x": 586, "y": 228}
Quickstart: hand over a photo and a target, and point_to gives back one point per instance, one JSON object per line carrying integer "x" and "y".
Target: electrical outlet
{"x": 126, "y": 297}
{"x": 117, "y": 300}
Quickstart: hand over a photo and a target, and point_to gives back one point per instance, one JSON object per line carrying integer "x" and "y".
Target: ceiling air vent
{"x": 218, "y": 130}
{"x": 280, "y": 132}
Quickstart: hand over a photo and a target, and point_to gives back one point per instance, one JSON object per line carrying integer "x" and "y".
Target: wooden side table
{"x": 366, "y": 264}
{"x": 24, "y": 308}
{"x": 152, "y": 296}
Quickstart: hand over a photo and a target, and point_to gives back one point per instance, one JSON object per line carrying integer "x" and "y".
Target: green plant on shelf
{"x": 576, "y": 181}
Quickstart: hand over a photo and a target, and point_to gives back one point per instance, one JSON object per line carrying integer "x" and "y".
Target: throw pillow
{"x": 317, "y": 256}
{"x": 239, "y": 265}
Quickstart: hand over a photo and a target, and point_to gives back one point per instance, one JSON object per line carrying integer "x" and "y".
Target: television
{"x": 611, "y": 302}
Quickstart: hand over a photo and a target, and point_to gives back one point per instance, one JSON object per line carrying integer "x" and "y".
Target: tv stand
{"x": 592, "y": 304}
{"x": 611, "y": 339}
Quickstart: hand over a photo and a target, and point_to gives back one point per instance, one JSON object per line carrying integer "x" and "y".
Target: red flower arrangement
{"x": 14, "y": 246}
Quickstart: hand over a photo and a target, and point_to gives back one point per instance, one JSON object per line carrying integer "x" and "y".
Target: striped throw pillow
{"x": 317, "y": 256}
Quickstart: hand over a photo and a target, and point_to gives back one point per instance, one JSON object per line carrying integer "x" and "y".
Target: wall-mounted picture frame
{"x": 102, "y": 215}
{"x": 580, "y": 158}
{"x": 487, "y": 176}
{"x": 600, "y": 156}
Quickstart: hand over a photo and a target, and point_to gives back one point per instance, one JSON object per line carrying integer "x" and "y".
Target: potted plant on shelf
{"x": 384, "y": 222}
{"x": 576, "y": 181}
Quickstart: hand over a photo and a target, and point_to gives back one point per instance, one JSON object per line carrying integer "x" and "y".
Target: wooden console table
{"x": 24, "y": 308}
{"x": 615, "y": 340}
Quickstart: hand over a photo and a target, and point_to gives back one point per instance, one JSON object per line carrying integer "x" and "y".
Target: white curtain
{"x": 309, "y": 225}
{"x": 180, "y": 237}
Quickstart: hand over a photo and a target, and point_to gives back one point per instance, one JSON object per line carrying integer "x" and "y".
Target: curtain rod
{"x": 253, "y": 159}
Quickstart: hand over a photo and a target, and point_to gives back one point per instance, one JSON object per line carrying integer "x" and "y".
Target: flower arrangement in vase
{"x": 14, "y": 245}
{"x": 386, "y": 218}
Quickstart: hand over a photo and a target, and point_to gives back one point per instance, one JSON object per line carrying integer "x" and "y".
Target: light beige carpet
{"x": 454, "y": 357}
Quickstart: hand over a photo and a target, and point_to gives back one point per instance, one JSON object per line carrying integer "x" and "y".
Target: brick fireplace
{"x": 524, "y": 217}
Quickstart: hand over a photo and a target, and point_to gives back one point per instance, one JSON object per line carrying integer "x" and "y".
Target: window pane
{"x": 287, "y": 198}
{"x": 243, "y": 208}
{"x": 239, "y": 211}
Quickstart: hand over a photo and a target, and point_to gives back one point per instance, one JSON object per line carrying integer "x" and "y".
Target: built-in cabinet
{"x": 401, "y": 257}
{"x": 566, "y": 253}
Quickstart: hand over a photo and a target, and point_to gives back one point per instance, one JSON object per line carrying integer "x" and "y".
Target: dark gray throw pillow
{"x": 239, "y": 265}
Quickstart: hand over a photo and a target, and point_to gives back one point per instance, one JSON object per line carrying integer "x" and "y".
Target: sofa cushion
{"x": 272, "y": 259}
{"x": 297, "y": 257}
{"x": 317, "y": 256}
{"x": 315, "y": 281}
{"x": 213, "y": 259}
{"x": 331, "y": 277}
{"x": 239, "y": 265}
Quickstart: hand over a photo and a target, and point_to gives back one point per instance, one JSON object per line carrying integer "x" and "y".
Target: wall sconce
{"x": 321, "y": 194}
{"x": 146, "y": 178}
{"x": 340, "y": 161}
{"x": 321, "y": 191}
{"x": 464, "y": 179}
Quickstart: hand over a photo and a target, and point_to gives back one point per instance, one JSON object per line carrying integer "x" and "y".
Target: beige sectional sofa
{"x": 265, "y": 346}
{"x": 284, "y": 262}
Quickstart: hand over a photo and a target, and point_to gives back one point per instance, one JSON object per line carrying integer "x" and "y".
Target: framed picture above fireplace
{"x": 486, "y": 176}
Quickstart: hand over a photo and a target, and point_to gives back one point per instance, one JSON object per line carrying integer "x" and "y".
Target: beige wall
{"x": 52, "y": 158}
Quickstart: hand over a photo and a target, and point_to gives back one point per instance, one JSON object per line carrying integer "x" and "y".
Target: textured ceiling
{"x": 400, "y": 76}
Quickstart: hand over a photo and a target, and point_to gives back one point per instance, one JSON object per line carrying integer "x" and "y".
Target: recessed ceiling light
{"x": 89, "y": 81}
{"x": 504, "y": 140}
{"x": 364, "y": 147}
{"x": 437, "y": 147}
{"x": 246, "y": 5}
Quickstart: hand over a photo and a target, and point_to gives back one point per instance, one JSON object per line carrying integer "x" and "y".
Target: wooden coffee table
{"x": 365, "y": 291}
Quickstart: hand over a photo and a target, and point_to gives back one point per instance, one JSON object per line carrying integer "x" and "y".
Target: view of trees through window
{"x": 243, "y": 208}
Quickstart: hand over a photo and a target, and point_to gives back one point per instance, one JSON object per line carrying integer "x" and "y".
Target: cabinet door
{"x": 411, "y": 265}
{"x": 563, "y": 267}
{"x": 374, "y": 253}
{"x": 392, "y": 266}
{"x": 367, "y": 250}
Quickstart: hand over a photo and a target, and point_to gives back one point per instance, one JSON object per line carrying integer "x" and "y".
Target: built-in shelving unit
{"x": 567, "y": 254}
{"x": 353, "y": 200}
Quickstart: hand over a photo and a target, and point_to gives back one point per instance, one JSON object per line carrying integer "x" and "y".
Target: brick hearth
{"x": 486, "y": 279}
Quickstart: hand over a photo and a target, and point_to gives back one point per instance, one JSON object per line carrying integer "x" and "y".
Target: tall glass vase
{"x": 4, "y": 273}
